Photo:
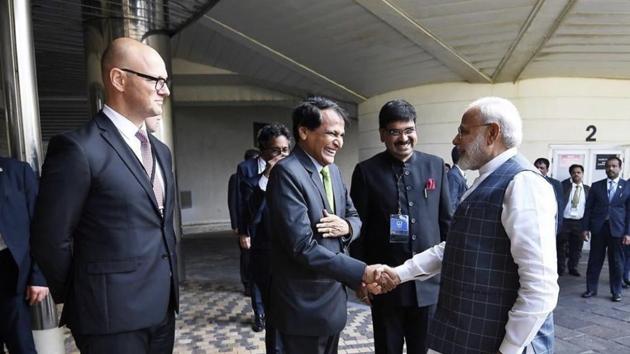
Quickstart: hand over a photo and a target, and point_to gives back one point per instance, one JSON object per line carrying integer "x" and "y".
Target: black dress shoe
{"x": 574, "y": 272}
{"x": 616, "y": 298}
{"x": 626, "y": 281}
{"x": 588, "y": 294}
{"x": 625, "y": 286}
{"x": 259, "y": 323}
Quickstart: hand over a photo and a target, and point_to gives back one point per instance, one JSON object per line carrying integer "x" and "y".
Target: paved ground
{"x": 216, "y": 317}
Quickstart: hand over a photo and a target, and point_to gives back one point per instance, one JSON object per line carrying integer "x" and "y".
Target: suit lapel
{"x": 162, "y": 158}
{"x": 310, "y": 168}
{"x": 4, "y": 184}
{"x": 339, "y": 196}
{"x": 110, "y": 133}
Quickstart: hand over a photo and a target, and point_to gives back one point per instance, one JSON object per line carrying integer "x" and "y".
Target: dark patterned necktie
{"x": 147, "y": 162}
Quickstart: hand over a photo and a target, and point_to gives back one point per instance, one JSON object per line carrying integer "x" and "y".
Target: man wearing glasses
{"x": 252, "y": 176}
{"x": 103, "y": 226}
{"x": 402, "y": 198}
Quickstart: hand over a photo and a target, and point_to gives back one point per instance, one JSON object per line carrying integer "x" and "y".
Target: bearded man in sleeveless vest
{"x": 498, "y": 265}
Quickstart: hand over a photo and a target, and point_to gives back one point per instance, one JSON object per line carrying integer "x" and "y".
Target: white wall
{"x": 210, "y": 142}
{"x": 554, "y": 111}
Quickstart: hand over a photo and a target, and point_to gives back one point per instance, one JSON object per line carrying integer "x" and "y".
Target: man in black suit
{"x": 456, "y": 181}
{"x": 312, "y": 221}
{"x": 569, "y": 242}
{"x": 21, "y": 282}
{"x": 410, "y": 188}
{"x": 542, "y": 164}
{"x": 103, "y": 228}
{"x": 253, "y": 174}
{"x": 233, "y": 208}
{"x": 606, "y": 223}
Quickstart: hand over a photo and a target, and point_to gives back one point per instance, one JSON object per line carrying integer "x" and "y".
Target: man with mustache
{"x": 498, "y": 264}
{"x": 606, "y": 222}
{"x": 400, "y": 186}
{"x": 103, "y": 227}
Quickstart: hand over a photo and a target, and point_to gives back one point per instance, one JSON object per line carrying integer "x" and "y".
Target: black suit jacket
{"x": 98, "y": 235}
{"x": 567, "y": 186}
{"x": 309, "y": 271}
{"x": 18, "y": 188}
{"x": 557, "y": 190}
{"x": 456, "y": 187}
{"x": 375, "y": 194}
{"x": 233, "y": 201}
{"x": 598, "y": 209}
{"x": 252, "y": 205}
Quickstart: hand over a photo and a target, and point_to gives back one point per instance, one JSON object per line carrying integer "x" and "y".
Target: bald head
{"x": 134, "y": 75}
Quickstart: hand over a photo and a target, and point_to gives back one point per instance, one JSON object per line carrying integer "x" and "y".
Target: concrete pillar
{"x": 143, "y": 20}
{"x": 19, "y": 85}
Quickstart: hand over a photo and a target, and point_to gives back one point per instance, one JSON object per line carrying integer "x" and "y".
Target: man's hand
{"x": 35, "y": 294}
{"x": 245, "y": 241}
{"x": 364, "y": 295}
{"x": 586, "y": 235}
{"x": 626, "y": 240}
{"x": 332, "y": 226}
{"x": 389, "y": 279}
{"x": 372, "y": 273}
{"x": 272, "y": 163}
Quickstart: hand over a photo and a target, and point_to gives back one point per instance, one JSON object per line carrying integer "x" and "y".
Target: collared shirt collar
{"x": 493, "y": 164}
{"x": 616, "y": 180}
{"x": 461, "y": 172}
{"x": 318, "y": 165}
{"x": 124, "y": 125}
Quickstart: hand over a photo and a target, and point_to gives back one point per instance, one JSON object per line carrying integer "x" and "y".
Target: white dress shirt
{"x": 578, "y": 212}
{"x": 128, "y": 131}
{"x": 2, "y": 244}
{"x": 529, "y": 219}
{"x": 262, "y": 182}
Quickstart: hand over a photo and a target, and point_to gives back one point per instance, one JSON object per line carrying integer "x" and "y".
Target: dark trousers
{"x": 626, "y": 265}
{"x": 310, "y": 345}
{"x": 245, "y": 274}
{"x": 569, "y": 245}
{"x": 158, "y": 339}
{"x": 15, "y": 315}
{"x": 600, "y": 245}
{"x": 261, "y": 265}
{"x": 395, "y": 324}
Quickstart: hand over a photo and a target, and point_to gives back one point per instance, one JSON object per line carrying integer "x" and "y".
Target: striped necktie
{"x": 147, "y": 163}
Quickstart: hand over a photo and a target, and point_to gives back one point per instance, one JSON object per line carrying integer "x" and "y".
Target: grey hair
{"x": 503, "y": 112}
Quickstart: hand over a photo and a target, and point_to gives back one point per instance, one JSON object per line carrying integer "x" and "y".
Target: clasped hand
{"x": 377, "y": 279}
{"x": 332, "y": 226}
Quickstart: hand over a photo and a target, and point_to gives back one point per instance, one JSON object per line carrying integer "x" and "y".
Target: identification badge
{"x": 398, "y": 228}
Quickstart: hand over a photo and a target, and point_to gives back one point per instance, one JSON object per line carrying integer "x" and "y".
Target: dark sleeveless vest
{"x": 480, "y": 280}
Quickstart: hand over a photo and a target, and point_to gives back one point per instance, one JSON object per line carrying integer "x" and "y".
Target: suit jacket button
{"x": 164, "y": 256}
{"x": 413, "y": 220}
{"x": 413, "y": 237}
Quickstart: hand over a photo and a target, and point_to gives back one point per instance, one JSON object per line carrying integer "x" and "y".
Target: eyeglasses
{"x": 399, "y": 132}
{"x": 160, "y": 82}
{"x": 278, "y": 151}
{"x": 461, "y": 132}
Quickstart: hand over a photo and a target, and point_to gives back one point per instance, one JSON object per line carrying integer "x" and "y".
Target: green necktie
{"x": 328, "y": 188}
{"x": 576, "y": 197}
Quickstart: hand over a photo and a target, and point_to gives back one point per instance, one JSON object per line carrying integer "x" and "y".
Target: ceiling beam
{"x": 396, "y": 18}
{"x": 279, "y": 57}
{"x": 539, "y": 26}
{"x": 549, "y": 33}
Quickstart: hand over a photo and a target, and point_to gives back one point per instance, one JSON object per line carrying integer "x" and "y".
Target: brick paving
{"x": 216, "y": 317}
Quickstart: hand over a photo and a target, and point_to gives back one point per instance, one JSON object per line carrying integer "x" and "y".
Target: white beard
{"x": 472, "y": 159}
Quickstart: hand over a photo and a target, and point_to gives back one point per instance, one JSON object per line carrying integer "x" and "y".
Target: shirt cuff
{"x": 404, "y": 273}
{"x": 262, "y": 183}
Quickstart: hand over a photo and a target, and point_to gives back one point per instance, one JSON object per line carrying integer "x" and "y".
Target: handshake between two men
{"x": 377, "y": 279}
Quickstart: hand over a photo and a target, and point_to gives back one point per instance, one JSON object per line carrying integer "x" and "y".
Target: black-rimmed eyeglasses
{"x": 160, "y": 82}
